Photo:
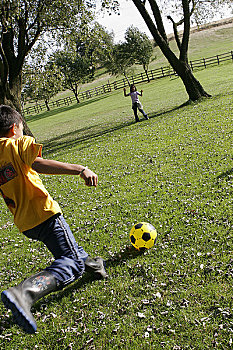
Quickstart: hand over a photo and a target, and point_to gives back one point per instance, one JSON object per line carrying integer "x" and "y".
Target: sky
{"x": 129, "y": 15}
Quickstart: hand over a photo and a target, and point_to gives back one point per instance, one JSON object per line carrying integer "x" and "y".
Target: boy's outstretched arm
{"x": 53, "y": 167}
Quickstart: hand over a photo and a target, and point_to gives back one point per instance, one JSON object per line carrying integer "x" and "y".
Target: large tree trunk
{"x": 8, "y": 97}
{"x": 10, "y": 94}
{"x": 192, "y": 85}
{"x": 11, "y": 72}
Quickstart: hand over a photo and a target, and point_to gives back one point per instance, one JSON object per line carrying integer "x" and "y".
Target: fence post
{"x": 204, "y": 62}
{"x": 152, "y": 76}
{"x": 191, "y": 65}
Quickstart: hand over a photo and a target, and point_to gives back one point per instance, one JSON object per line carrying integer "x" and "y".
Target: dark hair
{"x": 131, "y": 87}
{"x": 8, "y": 116}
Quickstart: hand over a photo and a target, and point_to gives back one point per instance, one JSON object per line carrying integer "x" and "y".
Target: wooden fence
{"x": 158, "y": 73}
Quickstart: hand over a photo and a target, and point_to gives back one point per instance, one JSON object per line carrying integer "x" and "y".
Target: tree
{"x": 156, "y": 26}
{"x": 139, "y": 47}
{"x": 76, "y": 69}
{"x": 22, "y": 22}
{"x": 97, "y": 41}
{"x": 203, "y": 11}
{"x": 136, "y": 49}
{"x": 42, "y": 83}
{"x": 86, "y": 48}
{"x": 120, "y": 60}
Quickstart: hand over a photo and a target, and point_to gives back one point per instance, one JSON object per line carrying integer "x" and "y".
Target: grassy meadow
{"x": 174, "y": 171}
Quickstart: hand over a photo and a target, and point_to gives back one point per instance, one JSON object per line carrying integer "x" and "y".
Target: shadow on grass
{"x": 127, "y": 253}
{"x": 225, "y": 174}
{"x": 76, "y": 137}
{"x": 73, "y": 138}
{"x": 63, "y": 109}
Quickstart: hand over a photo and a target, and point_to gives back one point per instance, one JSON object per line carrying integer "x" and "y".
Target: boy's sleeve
{"x": 29, "y": 149}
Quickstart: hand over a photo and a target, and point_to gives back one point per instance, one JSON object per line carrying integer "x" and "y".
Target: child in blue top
{"x": 136, "y": 104}
{"x": 39, "y": 217}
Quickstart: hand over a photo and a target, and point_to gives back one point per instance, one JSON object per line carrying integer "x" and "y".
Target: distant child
{"x": 136, "y": 104}
{"x": 39, "y": 217}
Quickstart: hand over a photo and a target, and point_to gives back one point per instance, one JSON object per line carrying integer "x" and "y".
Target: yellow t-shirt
{"x": 20, "y": 186}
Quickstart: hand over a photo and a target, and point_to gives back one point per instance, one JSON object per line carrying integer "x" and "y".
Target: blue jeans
{"x": 137, "y": 106}
{"x": 69, "y": 263}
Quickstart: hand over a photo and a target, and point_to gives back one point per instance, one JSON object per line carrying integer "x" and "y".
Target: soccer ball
{"x": 143, "y": 236}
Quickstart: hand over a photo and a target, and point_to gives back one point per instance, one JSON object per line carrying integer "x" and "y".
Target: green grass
{"x": 174, "y": 171}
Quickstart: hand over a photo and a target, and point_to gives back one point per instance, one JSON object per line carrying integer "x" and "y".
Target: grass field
{"x": 174, "y": 171}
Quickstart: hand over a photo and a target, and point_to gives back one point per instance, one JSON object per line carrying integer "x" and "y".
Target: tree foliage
{"x": 42, "y": 83}
{"x": 96, "y": 41}
{"x": 22, "y": 22}
{"x": 85, "y": 49}
{"x": 203, "y": 11}
{"x": 139, "y": 46}
{"x": 120, "y": 60}
{"x": 135, "y": 49}
{"x": 75, "y": 69}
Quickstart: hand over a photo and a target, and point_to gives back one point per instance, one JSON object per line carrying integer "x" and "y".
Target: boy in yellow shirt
{"x": 39, "y": 217}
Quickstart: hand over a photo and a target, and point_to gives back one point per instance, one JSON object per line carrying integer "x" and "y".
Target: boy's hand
{"x": 90, "y": 178}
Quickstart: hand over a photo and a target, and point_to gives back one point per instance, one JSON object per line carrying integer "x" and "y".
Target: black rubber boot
{"x": 95, "y": 266}
{"x": 21, "y": 298}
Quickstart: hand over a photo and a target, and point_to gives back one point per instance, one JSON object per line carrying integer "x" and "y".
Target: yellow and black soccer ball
{"x": 143, "y": 236}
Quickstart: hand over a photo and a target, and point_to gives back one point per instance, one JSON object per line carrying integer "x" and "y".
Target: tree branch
{"x": 175, "y": 32}
{"x": 186, "y": 33}
{"x": 183, "y": 47}
{"x": 158, "y": 19}
{"x": 155, "y": 33}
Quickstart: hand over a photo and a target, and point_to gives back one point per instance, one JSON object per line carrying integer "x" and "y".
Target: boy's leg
{"x": 70, "y": 262}
{"x": 21, "y": 298}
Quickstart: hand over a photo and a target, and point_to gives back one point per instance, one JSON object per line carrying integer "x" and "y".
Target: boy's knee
{"x": 66, "y": 270}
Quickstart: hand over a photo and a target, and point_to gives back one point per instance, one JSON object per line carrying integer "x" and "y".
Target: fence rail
{"x": 158, "y": 73}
